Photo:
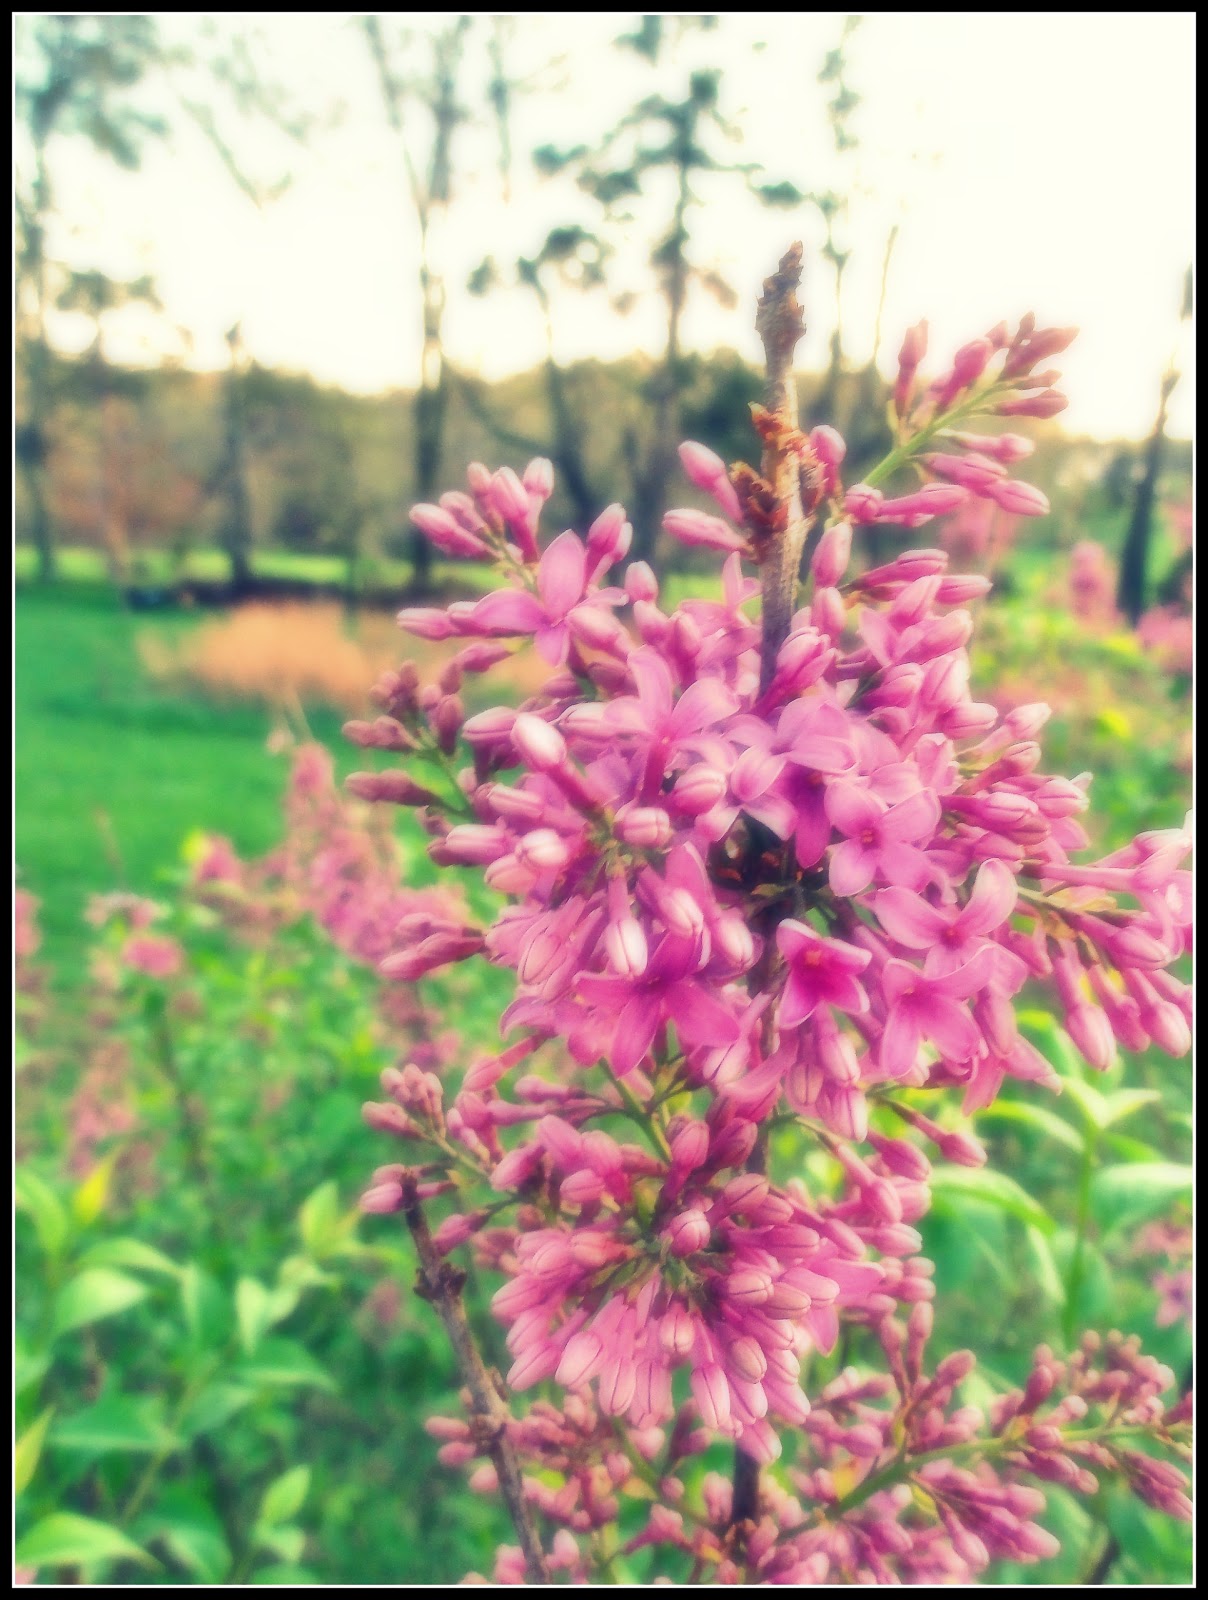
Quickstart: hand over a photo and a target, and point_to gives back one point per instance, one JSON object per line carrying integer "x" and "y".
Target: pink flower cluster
{"x": 732, "y": 901}
{"x": 896, "y": 1483}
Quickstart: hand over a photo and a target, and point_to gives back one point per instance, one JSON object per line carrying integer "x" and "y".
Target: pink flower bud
{"x": 608, "y": 541}
{"x": 539, "y": 745}
{"x": 863, "y": 504}
{"x": 383, "y": 1199}
{"x": 697, "y": 790}
{"x": 1089, "y": 1028}
{"x": 1045, "y": 403}
{"x": 581, "y": 1358}
{"x": 688, "y": 1232}
{"x": 625, "y": 944}
{"x": 712, "y": 1395}
{"x": 702, "y": 466}
{"x": 426, "y": 622}
{"x": 539, "y": 479}
{"x": 644, "y": 827}
{"x": 543, "y": 850}
{"x": 1021, "y": 499}
{"x": 832, "y": 555}
{"x": 699, "y": 528}
{"x": 641, "y": 583}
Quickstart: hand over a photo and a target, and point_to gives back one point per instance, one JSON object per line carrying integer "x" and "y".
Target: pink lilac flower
{"x": 742, "y": 885}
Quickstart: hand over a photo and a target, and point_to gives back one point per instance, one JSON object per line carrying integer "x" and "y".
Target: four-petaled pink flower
{"x": 552, "y": 615}
{"x": 922, "y": 1007}
{"x": 668, "y": 991}
{"x": 952, "y": 934}
{"x": 882, "y": 839}
{"x": 821, "y": 972}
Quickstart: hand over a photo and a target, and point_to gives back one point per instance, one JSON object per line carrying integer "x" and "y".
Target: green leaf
{"x": 89, "y": 1199}
{"x": 1126, "y": 1149}
{"x": 284, "y": 1573}
{"x": 28, "y": 1451}
{"x": 212, "y": 1407}
{"x": 93, "y": 1295}
{"x": 1030, "y": 1116}
{"x": 1053, "y": 1043}
{"x": 318, "y": 1217}
{"x": 326, "y": 1228}
{"x": 257, "y": 1309}
{"x": 29, "y": 1366}
{"x": 65, "y": 1540}
{"x": 1134, "y": 1191}
{"x": 115, "y": 1422}
{"x": 1090, "y": 1102}
{"x": 191, "y": 1535}
{"x": 982, "y": 1183}
{"x": 299, "y": 1272}
{"x": 288, "y": 1543}
{"x": 44, "y": 1209}
{"x": 207, "y": 1314}
{"x": 132, "y": 1253}
{"x": 282, "y": 1363}
{"x": 284, "y": 1496}
{"x": 1047, "y": 1275}
{"x": 1125, "y": 1103}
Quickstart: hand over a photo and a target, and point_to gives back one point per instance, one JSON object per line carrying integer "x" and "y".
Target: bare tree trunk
{"x": 236, "y": 529}
{"x": 33, "y": 440}
{"x": 1134, "y": 560}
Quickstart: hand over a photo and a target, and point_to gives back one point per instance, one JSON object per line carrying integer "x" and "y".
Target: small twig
{"x": 780, "y": 323}
{"x": 441, "y": 1284}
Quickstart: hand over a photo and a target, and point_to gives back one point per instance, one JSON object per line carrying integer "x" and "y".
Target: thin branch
{"x": 441, "y": 1285}
{"x": 780, "y": 323}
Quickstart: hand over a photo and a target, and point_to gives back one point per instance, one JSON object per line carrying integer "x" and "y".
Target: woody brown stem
{"x": 780, "y": 323}
{"x": 441, "y": 1285}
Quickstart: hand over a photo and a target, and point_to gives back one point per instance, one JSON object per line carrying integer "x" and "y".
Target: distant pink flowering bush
{"x": 758, "y": 871}
{"x": 1168, "y": 634}
{"x": 1092, "y": 583}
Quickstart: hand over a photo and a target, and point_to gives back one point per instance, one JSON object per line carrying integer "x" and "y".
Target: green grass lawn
{"x": 113, "y": 772}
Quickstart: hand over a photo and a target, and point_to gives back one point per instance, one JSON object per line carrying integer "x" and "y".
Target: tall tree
{"x": 229, "y": 481}
{"x": 96, "y": 296}
{"x": 74, "y": 80}
{"x": 426, "y": 110}
{"x": 80, "y": 77}
{"x": 1132, "y": 588}
{"x": 664, "y": 145}
{"x": 570, "y": 256}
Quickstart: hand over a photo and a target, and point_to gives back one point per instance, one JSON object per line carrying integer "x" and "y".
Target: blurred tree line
{"x": 171, "y": 460}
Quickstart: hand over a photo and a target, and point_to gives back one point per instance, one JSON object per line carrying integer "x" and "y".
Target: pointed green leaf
{"x": 28, "y": 1450}
{"x": 284, "y": 1496}
{"x": 93, "y": 1295}
{"x": 1090, "y": 1102}
{"x": 1044, "y": 1121}
{"x": 44, "y": 1209}
{"x": 1126, "y": 1102}
{"x": 1134, "y": 1191}
{"x": 281, "y": 1363}
{"x": 65, "y": 1540}
{"x": 996, "y": 1189}
{"x": 132, "y": 1253}
{"x": 116, "y": 1422}
{"x": 213, "y": 1406}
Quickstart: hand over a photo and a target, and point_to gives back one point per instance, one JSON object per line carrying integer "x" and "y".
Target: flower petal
{"x": 508, "y": 611}
{"x": 851, "y": 867}
{"x": 908, "y": 919}
{"x": 561, "y": 575}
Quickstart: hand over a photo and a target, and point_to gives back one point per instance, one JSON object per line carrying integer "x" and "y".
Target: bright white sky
{"x": 1032, "y": 161}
